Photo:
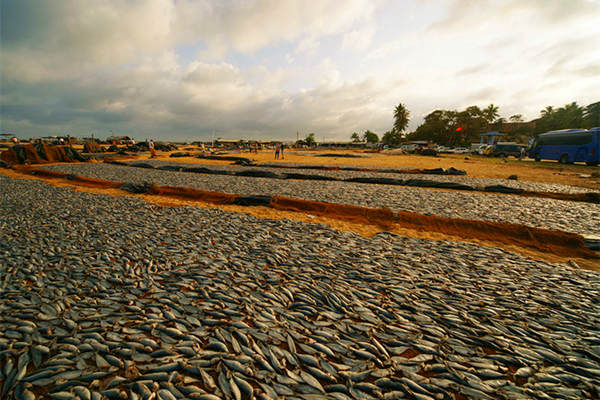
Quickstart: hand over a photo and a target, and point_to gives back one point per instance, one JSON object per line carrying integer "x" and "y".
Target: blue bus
{"x": 567, "y": 146}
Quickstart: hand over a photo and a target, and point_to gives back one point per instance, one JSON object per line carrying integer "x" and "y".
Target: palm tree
{"x": 592, "y": 115}
{"x": 474, "y": 111}
{"x": 546, "y": 112}
{"x": 516, "y": 118}
{"x": 490, "y": 113}
{"x": 401, "y": 116}
{"x": 571, "y": 115}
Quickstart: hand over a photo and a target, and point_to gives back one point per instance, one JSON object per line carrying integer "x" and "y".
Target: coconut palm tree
{"x": 490, "y": 113}
{"x": 546, "y": 112}
{"x": 401, "y": 117}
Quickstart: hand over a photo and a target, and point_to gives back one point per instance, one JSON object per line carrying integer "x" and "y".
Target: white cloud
{"x": 308, "y": 45}
{"x": 247, "y": 26}
{"x": 359, "y": 39}
{"x": 477, "y": 13}
{"x": 74, "y": 37}
{"x": 268, "y": 68}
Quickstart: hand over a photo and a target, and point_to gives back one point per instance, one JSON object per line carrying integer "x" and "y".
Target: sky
{"x": 273, "y": 69}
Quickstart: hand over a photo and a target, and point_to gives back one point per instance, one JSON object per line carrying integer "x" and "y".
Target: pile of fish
{"x": 566, "y": 216}
{"x": 111, "y": 298}
{"x": 350, "y": 173}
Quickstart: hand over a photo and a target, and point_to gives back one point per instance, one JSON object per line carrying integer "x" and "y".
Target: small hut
{"x": 492, "y": 137}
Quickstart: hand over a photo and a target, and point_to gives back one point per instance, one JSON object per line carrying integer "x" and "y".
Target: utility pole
{"x": 297, "y": 136}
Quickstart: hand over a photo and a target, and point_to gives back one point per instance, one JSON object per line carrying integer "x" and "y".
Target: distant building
{"x": 492, "y": 137}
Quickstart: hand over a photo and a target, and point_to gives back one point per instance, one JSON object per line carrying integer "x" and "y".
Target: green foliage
{"x": 569, "y": 116}
{"x": 490, "y": 113}
{"x": 392, "y": 138}
{"x": 370, "y": 137}
{"x": 310, "y": 139}
{"x": 401, "y": 118}
{"x": 355, "y": 138}
{"x": 516, "y": 118}
{"x": 591, "y": 115}
{"x": 440, "y": 125}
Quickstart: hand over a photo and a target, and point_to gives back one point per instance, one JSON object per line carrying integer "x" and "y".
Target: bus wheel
{"x": 564, "y": 159}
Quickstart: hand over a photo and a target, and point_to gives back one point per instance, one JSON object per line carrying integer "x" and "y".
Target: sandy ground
{"x": 265, "y": 212}
{"x": 476, "y": 166}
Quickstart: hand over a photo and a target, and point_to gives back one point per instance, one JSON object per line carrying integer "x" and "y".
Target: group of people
{"x": 279, "y": 149}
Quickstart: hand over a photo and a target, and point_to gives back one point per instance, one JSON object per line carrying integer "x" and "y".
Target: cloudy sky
{"x": 185, "y": 69}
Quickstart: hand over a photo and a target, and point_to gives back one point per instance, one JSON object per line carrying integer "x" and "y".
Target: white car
{"x": 460, "y": 150}
{"x": 408, "y": 147}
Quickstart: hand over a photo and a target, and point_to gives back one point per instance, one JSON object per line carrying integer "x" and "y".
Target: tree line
{"x": 461, "y": 128}
{"x": 393, "y": 137}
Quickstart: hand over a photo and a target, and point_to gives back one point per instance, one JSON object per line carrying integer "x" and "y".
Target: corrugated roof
{"x": 492, "y": 133}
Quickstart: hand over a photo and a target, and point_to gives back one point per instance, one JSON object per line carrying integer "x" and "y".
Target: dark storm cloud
{"x": 45, "y": 114}
{"x": 24, "y": 21}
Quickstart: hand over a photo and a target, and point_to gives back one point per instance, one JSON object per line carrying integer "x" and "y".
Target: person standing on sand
{"x": 282, "y": 147}
{"x": 151, "y": 147}
{"x": 277, "y": 152}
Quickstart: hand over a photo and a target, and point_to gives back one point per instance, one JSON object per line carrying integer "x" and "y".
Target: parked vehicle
{"x": 506, "y": 149}
{"x": 460, "y": 150}
{"x": 567, "y": 146}
{"x": 427, "y": 151}
{"x": 409, "y": 148}
{"x": 477, "y": 148}
{"x": 487, "y": 150}
{"x": 442, "y": 149}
